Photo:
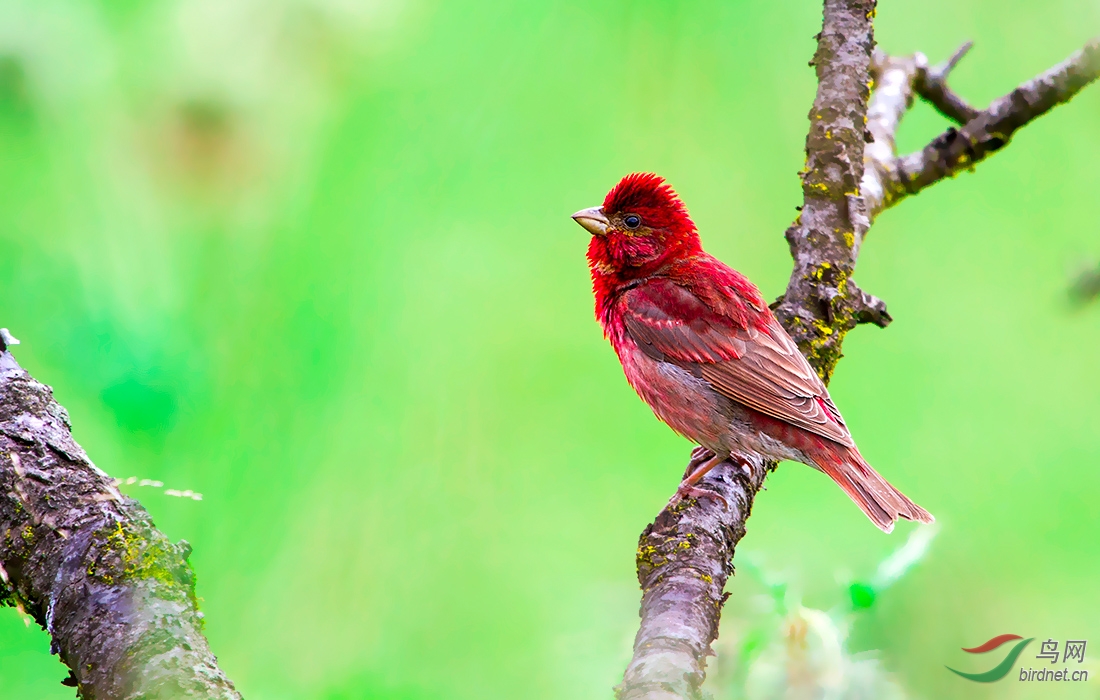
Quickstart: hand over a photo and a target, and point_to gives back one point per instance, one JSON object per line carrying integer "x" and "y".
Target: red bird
{"x": 700, "y": 346}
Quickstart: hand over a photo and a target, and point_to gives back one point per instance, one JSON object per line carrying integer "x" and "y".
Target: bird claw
{"x": 686, "y": 491}
{"x": 740, "y": 461}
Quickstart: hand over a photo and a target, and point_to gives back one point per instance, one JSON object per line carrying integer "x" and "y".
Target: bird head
{"x": 641, "y": 226}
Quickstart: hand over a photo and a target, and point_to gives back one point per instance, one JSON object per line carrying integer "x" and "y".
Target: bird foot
{"x": 686, "y": 491}
{"x": 741, "y": 461}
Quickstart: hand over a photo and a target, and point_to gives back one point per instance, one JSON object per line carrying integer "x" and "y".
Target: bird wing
{"x": 758, "y": 366}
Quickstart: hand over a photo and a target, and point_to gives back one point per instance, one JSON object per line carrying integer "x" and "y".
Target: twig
{"x": 852, "y": 174}
{"x": 931, "y": 84}
{"x": 88, "y": 565}
{"x": 956, "y": 150}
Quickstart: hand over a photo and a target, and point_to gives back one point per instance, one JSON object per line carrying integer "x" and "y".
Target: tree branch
{"x": 852, "y": 173}
{"x": 87, "y": 563}
{"x": 822, "y": 302}
{"x": 894, "y": 79}
{"x": 931, "y": 84}
{"x": 685, "y": 556}
{"x": 1086, "y": 286}
{"x": 956, "y": 150}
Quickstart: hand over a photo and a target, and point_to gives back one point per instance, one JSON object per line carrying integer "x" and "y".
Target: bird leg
{"x": 687, "y": 488}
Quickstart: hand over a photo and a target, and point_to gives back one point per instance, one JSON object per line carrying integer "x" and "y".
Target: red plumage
{"x": 700, "y": 346}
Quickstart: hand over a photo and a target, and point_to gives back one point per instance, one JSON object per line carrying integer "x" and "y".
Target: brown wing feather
{"x": 761, "y": 369}
{"x": 773, "y": 378}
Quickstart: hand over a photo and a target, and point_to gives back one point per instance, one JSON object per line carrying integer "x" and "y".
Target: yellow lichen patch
{"x": 819, "y": 271}
{"x": 814, "y": 189}
{"x": 645, "y": 555}
{"x": 141, "y": 557}
{"x": 683, "y": 504}
{"x": 841, "y": 287}
{"x": 822, "y": 327}
{"x": 823, "y": 351}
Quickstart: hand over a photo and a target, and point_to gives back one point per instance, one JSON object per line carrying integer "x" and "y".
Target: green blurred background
{"x": 313, "y": 259}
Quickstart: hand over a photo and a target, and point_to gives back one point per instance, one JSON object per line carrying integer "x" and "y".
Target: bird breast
{"x": 685, "y": 402}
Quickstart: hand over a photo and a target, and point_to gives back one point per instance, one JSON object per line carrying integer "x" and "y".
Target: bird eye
{"x": 632, "y": 221}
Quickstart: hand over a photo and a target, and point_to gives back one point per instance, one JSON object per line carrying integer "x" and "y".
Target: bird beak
{"x": 594, "y": 220}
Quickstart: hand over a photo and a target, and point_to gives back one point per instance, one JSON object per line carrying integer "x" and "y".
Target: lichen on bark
{"x": 852, "y": 173}
{"x": 88, "y": 565}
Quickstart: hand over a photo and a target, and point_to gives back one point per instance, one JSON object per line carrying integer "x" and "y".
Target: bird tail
{"x": 882, "y": 503}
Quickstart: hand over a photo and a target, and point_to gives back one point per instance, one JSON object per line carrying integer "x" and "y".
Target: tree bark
{"x": 852, "y": 173}
{"x": 116, "y": 596}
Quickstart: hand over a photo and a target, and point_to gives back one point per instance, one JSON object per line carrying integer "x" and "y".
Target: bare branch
{"x": 956, "y": 150}
{"x": 852, "y": 173}
{"x": 684, "y": 559}
{"x": 685, "y": 556}
{"x": 931, "y": 84}
{"x": 893, "y": 96}
{"x": 87, "y": 563}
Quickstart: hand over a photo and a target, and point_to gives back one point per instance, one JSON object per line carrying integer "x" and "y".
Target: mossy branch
{"x": 852, "y": 173}
{"x": 822, "y": 302}
{"x": 683, "y": 585}
{"x": 87, "y": 563}
{"x": 684, "y": 559}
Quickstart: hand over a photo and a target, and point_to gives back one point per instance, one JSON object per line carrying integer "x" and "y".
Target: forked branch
{"x": 853, "y": 172}
{"x": 989, "y": 131}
